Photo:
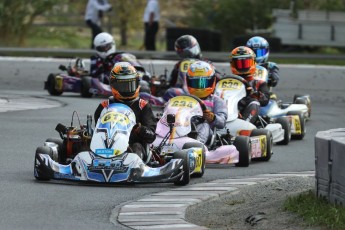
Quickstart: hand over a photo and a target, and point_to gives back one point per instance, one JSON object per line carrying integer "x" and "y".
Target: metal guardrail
{"x": 164, "y": 55}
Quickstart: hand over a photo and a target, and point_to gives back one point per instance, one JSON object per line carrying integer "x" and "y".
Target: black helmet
{"x": 187, "y": 46}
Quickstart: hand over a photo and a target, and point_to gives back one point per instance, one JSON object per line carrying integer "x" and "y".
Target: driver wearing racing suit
{"x": 242, "y": 62}
{"x": 201, "y": 82}
{"x": 260, "y": 47}
{"x": 124, "y": 82}
{"x": 186, "y": 47}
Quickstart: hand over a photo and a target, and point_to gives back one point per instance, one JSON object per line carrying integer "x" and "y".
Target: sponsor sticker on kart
{"x": 229, "y": 84}
{"x": 295, "y": 124}
{"x": 169, "y": 148}
{"x": 258, "y": 146}
{"x": 197, "y": 152}
{"x": 58, "y": 83}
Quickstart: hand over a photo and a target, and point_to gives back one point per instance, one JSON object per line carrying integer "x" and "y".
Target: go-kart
{"x": 160, "y": 90}
{"x": 102, "y": 154}
{"x": 67, "y": 81}
{"x": 78, "y": 80}
{"x": 232, "y": 89}
{"x": 297, "y": 112}
{"x": 188, "y": 111}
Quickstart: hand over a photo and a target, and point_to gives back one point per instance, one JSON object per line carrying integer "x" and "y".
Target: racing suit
{"x": 101, "y": 68}
{"x": 273, "y": 73}
{"x": 249, "y": 106}
{"x": 143, "y": 132}
{"x": 218, "y": 107}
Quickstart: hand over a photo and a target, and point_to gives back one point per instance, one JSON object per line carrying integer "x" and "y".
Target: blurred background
{"x": 308, "y": 26}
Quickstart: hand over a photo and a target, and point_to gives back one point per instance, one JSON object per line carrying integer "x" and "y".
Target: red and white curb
{"x": 166, "y": 210}
{"x": 18, "y": 102}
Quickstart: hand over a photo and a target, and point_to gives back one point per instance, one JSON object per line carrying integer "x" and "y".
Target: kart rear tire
{"x": 242, "y": 144}
{"x": 51, "y": 84}
{"x": 185, "y": 178}
{"x": 38, "y": 174}
{"x": 303, "y": 99}
{"x": 284, "y": 122}
{"x": 269, "y": 142}
{"x": 203, "y": 163}
{"x": 61, "y": 149}
{"x": 302, "y": 123}
{"x": 85, "y": 86}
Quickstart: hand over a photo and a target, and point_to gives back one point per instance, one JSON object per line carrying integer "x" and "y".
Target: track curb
{"x": 166, "y": 210}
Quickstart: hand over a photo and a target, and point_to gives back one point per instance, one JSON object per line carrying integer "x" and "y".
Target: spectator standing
{"x": 151, "y": 23}
{"x": 93, "y": 14}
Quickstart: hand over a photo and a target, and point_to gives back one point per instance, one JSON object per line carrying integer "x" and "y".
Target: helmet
{"x": 104, "y": 44}
{"x": 124, "y": 82}
{"x": 260, "y": 47}
{"x": 201, "y": 79}
{"x": 242, "y": 61}
{"x": 187, "y": 46}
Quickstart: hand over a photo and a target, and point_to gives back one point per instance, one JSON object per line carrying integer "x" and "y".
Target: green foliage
{"x": 233, "y": 17}
{"x": 17, "y": 17}
{"x": 316, "y": 211}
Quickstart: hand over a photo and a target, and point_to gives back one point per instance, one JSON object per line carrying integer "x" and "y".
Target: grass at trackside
{"x": 316, "y": 211}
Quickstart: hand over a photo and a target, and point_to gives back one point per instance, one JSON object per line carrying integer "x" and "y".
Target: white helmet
{"x": 104, "y": 44}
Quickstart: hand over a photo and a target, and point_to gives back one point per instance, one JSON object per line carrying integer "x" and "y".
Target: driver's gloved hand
{"x": 208, "y": 116}
{"x": 137, "y": 128}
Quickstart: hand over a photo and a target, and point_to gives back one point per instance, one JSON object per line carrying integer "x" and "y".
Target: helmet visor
{"x": 104, "y": 48}
{"x": 125, "y": 86}
{"x": 260, "y": 52}
{"x": 200, "y": 82}
{"x": 242, "y": 65}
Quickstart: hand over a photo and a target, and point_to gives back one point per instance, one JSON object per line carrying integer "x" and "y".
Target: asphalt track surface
{"x": 28, "y": 204}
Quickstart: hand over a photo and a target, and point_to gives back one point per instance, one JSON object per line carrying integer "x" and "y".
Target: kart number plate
{"x": 116, "y": 118}
{"x": 229, "y": 84}
{"x": 185, "y": 65}
{"x": 261, "y": 74}
{"x": 186, "y": 102}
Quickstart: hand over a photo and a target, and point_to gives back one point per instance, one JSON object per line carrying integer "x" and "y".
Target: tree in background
{"x": 17, "y": 18}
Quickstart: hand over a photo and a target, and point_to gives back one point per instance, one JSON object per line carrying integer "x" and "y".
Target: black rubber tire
{"x": 284, "y": 121}
{"x": 269, "y": 142}
{"x": 40, "y": 175}
{"x": 302, "y": 123}
{"x": 51, "y": 86}
{"x": 203, "y": 163}
{"x": 305, "y": 100}
{"x": 185, "y": 178}
{"x": 85, "y": 86}
{"x": 242, "y": 144}
{"x": 61, "y": 149}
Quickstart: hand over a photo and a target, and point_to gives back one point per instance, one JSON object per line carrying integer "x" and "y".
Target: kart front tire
{"x": 302, "y": 124}
{"x": 61, "y": 149}
{"x": 269, "y": 142}
{"x": 185, "y": 178}
{"x": 242, "y": 144}
{"x": 51, "y": 85}
{"x": 85, "y": 87}
{"x": 40, "y": 174}
{"x": 303, "y": 99}
{"x": 284, "y": 122}
{"x": 203, "y": 163}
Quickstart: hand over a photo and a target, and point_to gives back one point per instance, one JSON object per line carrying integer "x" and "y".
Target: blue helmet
{"x": 260, "y": 47}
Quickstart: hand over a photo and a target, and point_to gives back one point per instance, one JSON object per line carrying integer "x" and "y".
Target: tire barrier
{"x": 329, "y": 165}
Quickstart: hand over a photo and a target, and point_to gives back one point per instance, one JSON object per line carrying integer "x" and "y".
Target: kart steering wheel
{"x": 201, "y": 103}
